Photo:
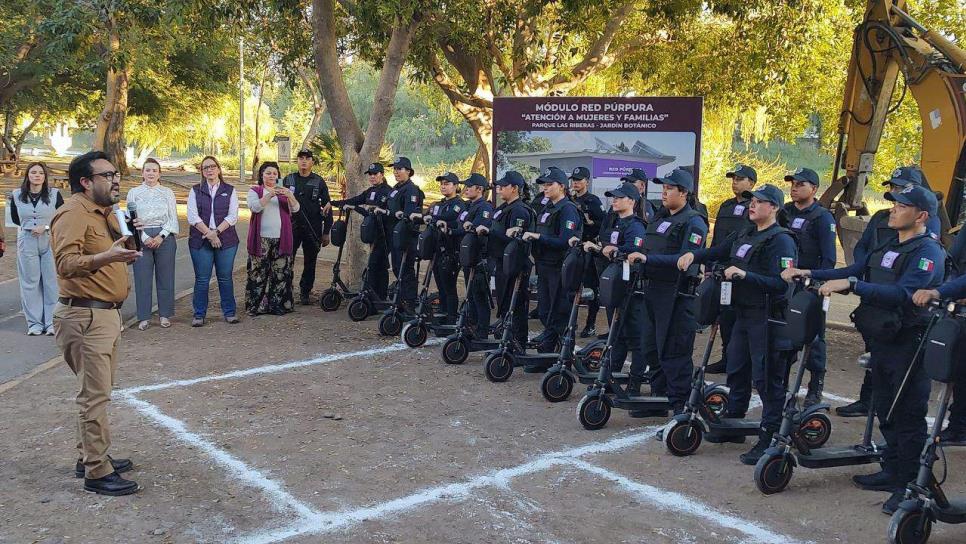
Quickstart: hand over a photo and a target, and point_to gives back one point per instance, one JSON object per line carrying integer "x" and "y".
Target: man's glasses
{"x": 109, "y": 176}
{"x": 209, "y": 167}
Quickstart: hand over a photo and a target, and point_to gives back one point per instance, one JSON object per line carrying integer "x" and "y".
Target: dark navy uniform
{"x": 407, "y": 198}
{"x": 732, "y": 217}
{"x": 515, "y": 214}
{"x": 627, "y": 235}
{"x": 669, "y": 321}
{"x": 878, "y": 232}
{"x": 309, "y": 225}
{"x": 592, "y": 210}
{"x": 479, "y": 213}
{"x": 557, "y": 224}
{"x": 378, "y": 263}
{"x": 446, "y": 269}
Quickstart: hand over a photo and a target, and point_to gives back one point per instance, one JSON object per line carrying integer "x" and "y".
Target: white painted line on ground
{"x": 678, "y": 503}
{"x": 282, "y": 500}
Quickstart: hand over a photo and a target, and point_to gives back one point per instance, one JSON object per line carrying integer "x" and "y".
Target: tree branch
{"x": 385, "y": 93}
{"x": 597, "y": 56}
{"x": 336, "y": 95}
{"x": 450, "y": 89}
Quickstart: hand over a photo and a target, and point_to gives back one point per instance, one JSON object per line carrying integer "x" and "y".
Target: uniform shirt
{"x": 539, "y": 202}
{"x": 376, "y": 195}
{"x": 449, "y": 210}
{"x": 511, "y": 215}
{"x": 695, "y": 237}
{"x": 923, "y": 269}
{"x": 629, "y": 233}
{"x": 478, "y": 212}
{"x": 957, "y": 252}
{"x": 733, "y": 207}
{"x": 592, "y": 209}
{"x": 864, "y": 246}
{"x": 779, "y": 254}
{"x": 821, "y": 230}
{"x": 408, "y": 198}
{"x": 568, "y": 225}
{"x": 155, "y": 207}
{"x": 310, "y": 202}
{"x": 79, "y": 230}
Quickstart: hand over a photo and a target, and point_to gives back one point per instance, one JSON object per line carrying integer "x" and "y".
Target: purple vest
{"x": 222, "y": 203}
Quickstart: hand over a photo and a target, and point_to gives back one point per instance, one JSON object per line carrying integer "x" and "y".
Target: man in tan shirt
{"x": 91, "y": 259}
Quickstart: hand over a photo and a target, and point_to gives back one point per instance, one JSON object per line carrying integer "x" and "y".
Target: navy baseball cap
{"x": 305, "y": 153}
{"x": 450, "y": 177}
{"x": 905, "y": 175}
{"x": 512, "y": 177}
{"x": 554, "y": 175}
{"x": 375, "y": 168}
{"x": 918, "y": 196}
{"x": 580, "y": 173}
{"x": 679, "y": 177}
{"x": 637, "y": 174}
{"x": 478, "y": 180}
{"x": 403, "y": 162}
{"x": 803, "y": 174}
{"x": 626, "y": 190}
{"x": 743, "y": 171}
{"x": 767, "y": 193}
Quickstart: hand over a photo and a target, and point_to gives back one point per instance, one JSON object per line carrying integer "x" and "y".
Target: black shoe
{"x": 815, "y": 387}
{"x": 877, "y": 481}
{"x": 648, "y": 413}
{"x": 304, "y": 299}
{"x": 633, "y": 388}
{"x": 533, "y": 314}
{"x": 112, "y": 485}
{"x": 120, "y": 465}
{"x": 716, "y": 438}
{"x": 856, "y": 409}
{"x": 890, "y": 506}
{"x": 953, "y": 437}
{"x": 540, "y": 338}
{"x": 717, "y": 368}
{"x": 751, "y": 456}
{"x": 588, "y": 331}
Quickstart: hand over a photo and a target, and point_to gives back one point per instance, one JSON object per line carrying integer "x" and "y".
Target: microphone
{"x": 132, "y": 215}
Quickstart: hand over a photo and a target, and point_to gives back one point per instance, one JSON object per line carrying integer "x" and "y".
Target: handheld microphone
{"x": 132, "y": 215}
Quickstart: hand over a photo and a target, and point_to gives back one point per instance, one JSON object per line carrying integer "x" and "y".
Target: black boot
{"x": 112, "y": 485}
{"x": 717, "y": 368}
{"x": 589, "y": 330}
{"x": 633, "y": 387}
{"x": 815, "y": 387}
{"x": 751, "y": 456}
{"x": 952, "y": 436}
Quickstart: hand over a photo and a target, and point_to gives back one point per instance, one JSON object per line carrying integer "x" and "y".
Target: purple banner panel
{"x": 615, "y": 168}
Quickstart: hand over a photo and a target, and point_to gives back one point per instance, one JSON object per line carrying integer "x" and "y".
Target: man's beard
{"x": 108, "y": 198}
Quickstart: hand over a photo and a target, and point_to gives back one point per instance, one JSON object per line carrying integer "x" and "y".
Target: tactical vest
{"x": 809, "y": 249}
{"x": 665, "y": 236}
{"x": 884, "y": 267}
{"x": 496, "y": 246}
{"x": 590, "y": 232}
{"x": 748, "y": 253}
{"x": 882, "y": 233}
{"x": 732, "y": 217}
{"x": 548, "y": 224}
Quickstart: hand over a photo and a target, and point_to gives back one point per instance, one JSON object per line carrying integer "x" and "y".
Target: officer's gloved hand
{"x": 636, "y": 257}
{"x": 923, "y": 297}
{"x": 481, "y": 230}
{"x": 512, "y": 231}
{"x": 573, "y": 241}
{"x": 733, "y": 273}
{"x": 467, "y": 225}
{"x": 399, "y": 215}
{"x": 530, "y": 236}
{"x": 791, "y": 274}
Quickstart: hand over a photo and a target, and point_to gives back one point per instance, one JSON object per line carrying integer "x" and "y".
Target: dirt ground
{"x": 308, "y": 427}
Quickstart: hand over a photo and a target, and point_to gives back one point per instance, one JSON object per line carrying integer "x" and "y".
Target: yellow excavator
{"x": 887, "y": 42}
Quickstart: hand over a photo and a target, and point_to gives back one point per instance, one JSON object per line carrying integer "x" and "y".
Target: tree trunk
{"x": 6, "y": 138}
{"x": 109, "y": 134}
{"x": 18, "y": 143}
{"x": 257, "y": 152}
{"x": 318, "y": 105}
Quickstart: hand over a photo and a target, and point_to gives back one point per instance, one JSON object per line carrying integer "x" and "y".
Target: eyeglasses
{"x": 209, "y": 167}
{"x": 109, "y": 176}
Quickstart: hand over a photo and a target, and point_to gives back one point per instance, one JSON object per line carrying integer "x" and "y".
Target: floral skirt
{"x": 269, "y": 286}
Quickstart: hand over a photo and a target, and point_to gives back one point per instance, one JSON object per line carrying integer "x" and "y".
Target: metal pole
{"x": 241, "y": 110}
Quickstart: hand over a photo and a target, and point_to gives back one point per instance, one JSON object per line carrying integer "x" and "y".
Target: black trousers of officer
{"x": 520, "y": 310}
{"x": 552, "y": 299}
{"x": 726, "y": 322}
{"x": 445, "y": 272}
{"x": 478, "y": 301}
{"x": 668, "y": 340}
{"x": 404, "y": 267}
{"x": 957, "y": 412}
{"x": 905, "y": 434}
{"x": 755, "y": 357}
{"x": 378, "y": 269}
{"x": 629, "y": 338}
{"x": 592, "y": 281}
{"x": 309, "y": 242}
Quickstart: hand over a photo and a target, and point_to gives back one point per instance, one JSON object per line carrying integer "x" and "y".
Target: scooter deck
{"x": 729, "y": 426}
{"x": 590, "y": 379}
{"x": 955, "y": 513}
{"x": 642, "y": 403}
{"x": 536, "y": 363}
{"x": 839, "y": 456}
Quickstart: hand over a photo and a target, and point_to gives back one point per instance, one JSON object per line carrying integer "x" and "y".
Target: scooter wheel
{"x": 455, "y": 351}
{"x": 498, "y": 367}
{"x": 716, "y": 400}
{"x": 556, "y": 386}
{"x": 909, "y": 527}
{"x": 358, "y": 310}
{"x": 390, "y": 324}
{"x": 815, "y": 430}
{"x": 773, "y": 472}
{"x": 593, "y": 412}
{"x": 330, "y": 300}
{"x": 414, "y": 335}
{"x": 684, "y": 438}
{"x": 592, "y": 360}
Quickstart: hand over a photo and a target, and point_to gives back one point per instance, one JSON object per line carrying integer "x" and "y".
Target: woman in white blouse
{"x": 157, "y": 215}
{"x": 270, "y": 247}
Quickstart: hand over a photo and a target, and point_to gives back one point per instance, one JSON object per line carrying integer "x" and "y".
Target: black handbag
{"x": 369, "y": 229}
{"x": 427, "y": 243}
{"x": 708, "y": 306}
{"x": 803, "y": 318}
{"x": 572, "y": 270}
{"x": 941, "y": 357}
{"x": 877, "y": 323}
{"x": 514, "y": 259}
{"x": 338, "y": 233}
{"x": 613, "y": 288}
{"x": 470, "y": 253}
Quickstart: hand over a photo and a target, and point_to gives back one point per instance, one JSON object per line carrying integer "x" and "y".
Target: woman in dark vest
{"x": 213, "y": 241}
{"x": 270, "y": 245}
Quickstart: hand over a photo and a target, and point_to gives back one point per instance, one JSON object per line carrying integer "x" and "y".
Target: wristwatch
{"x": 853, "y": 281}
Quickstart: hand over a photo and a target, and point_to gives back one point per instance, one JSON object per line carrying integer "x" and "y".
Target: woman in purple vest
{"x": 270, "y": 248}
{"x": 212, "y": 214}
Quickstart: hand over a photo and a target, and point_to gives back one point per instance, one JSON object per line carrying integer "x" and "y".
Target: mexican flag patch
{"x": 638, "y": 241}
{"x": 787, "y": 262}
{"x": 695, "y": 238}
{"x": 831, "y": 227}
{"x": 926, "y": 264}
{"x": 570, "y": 225}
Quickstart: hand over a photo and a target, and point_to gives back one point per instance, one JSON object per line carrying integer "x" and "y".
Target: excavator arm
{"x": 889, "y": 42}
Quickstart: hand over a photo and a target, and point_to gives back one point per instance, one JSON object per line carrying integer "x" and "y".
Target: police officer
{"x": 645, "y": 210}
{"x": 669, "y": 323}
{"x": 757, "y": 353}
{"x": 592, "y": 210}
{"x": 479, "y": 213}
{"x": 814, "y": 229}
{"x": 313, "y": 222}
{"x": 876, "y": 233}
{"x": 559, "y": 221}
{"x": 892, "y": 326}
{"x": 445, "y": 215}
{"x": 732, "y": 217}
{"x": 512, "y": 215}
{"x": 404, "y": 200}
{"x": 625, "y": 234}
{"x": 374, "y": 201}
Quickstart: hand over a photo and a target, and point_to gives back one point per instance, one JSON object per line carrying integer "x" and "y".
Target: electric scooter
{"x": 683, "y": 434}
{"x": 925, "y": 502}
{"x": 465, "y": 340}
{"x": 416, "y": 331}
{"x": 392, "y": 319}
{"x": 332, "y": 298}
{"x": 366, "y": 302}
{"x": 594, "y": 409}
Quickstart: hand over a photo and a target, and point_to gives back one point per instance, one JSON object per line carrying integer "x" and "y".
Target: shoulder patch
{"x": 695, "y": 238}
{"x": 926, "y": 264}
{"x": 787, "y": 262}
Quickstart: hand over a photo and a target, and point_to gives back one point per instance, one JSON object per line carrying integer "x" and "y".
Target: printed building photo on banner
{"x": 608, "y": 136}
